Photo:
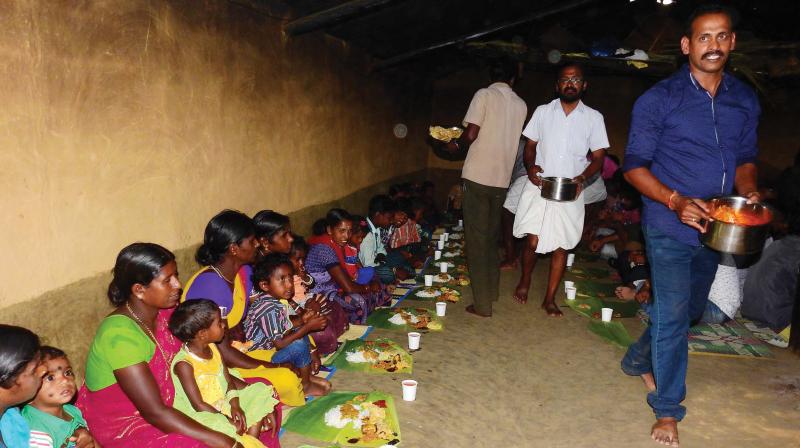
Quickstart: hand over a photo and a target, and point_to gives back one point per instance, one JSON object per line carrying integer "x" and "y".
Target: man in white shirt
{"x": 493, "y": 124}
{"x": 559, "y": 135}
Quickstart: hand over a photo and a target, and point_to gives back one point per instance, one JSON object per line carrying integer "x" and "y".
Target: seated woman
{"x": 127, "y": 397}
{"x": 274, "y": 234}
{"x": 229, "y": 246}
{"x": 325, "y": 262}
{"x": 20, "y": 378}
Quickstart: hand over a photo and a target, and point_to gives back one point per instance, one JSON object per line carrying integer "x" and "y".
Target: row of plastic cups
{"x": 410, "y": 386}
{"x": 569, "y": 288}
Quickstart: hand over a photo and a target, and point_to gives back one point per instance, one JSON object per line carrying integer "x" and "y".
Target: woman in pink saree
{"x": 128, "y": 394}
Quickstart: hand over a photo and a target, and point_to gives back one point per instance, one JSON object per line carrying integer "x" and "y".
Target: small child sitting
{"x": 205, "y": 389}
{"x": 326, "y": 340}
{"x": 52, "y": 420}
{"x": 269, "y": 325}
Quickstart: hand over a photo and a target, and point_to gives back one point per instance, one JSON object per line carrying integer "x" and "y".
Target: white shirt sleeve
{"x": 598, "y": 139}
{"x": 477, "y": 109}
{"x": 533, "y": 130}
{"x": 368, "y": 251}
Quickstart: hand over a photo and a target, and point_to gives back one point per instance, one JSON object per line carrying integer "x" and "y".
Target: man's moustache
{"x": 713, "y": 53}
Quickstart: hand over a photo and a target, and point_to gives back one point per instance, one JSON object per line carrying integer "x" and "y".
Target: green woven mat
{"x": 309, "y": 420}
{"x": 391, "y": 358}
{"x": 380, "y": 319}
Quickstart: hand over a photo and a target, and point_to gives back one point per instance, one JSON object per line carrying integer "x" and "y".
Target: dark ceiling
{"x": 439, "y": 36}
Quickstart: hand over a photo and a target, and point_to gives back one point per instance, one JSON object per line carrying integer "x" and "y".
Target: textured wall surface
{"x": 138, "y": 120}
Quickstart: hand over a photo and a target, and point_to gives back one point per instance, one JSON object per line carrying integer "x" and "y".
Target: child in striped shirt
{"x": 54, "y": 423}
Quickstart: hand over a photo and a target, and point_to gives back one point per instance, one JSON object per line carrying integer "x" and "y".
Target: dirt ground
{"x": 521, "y": 379}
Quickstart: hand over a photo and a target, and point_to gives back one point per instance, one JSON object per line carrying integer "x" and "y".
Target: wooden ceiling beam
{"x": 536, "y": 15}
{"x": 332, "y": 16}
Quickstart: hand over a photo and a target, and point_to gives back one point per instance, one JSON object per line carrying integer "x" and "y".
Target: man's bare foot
{"x": 625, "y": 293}
{"x": 551, "y": 309}
{"x": 665, "y": 431}
{"x": 507, "y": 265}
{"x": 521, "y": 295}
{"x": 649, "y": 381}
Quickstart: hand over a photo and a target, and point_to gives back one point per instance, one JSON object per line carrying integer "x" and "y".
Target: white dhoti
{"x": 557, "y": 224}
{"x": 514, "y": 193}
{"x": 595, "y": 191}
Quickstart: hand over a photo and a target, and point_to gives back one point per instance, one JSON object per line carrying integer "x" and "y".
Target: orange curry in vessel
{"x": 726, "y": 213}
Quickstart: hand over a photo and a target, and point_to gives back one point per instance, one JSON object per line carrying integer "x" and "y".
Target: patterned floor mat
{"x": 728, "y": 339}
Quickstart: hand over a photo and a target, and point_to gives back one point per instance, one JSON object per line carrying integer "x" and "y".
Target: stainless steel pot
{"x": 736, "y": 238}
{"x": 560, "y": 189}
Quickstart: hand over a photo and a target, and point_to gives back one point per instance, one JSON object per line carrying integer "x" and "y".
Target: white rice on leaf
{"x": 355, "y": 356}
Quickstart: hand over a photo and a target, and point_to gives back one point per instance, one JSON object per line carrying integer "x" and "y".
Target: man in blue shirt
{"x": 692, "y": 137}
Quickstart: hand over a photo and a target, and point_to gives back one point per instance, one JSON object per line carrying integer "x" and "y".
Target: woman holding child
{"x": 20, "y": 378}
{"x": 128, "y": 395}
{"x": 229, "y": 247}
{"x": 326, "y": 262}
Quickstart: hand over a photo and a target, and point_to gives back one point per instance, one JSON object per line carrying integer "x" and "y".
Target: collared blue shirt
{"x": 692, "y": 142}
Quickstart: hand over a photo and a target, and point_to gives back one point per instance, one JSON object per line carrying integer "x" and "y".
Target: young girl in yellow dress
{"x": 205, "y": 390}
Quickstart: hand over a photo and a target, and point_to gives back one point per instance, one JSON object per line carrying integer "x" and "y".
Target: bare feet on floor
{"x": 471, "y": 309}
{"x": 649, "y": 382}
{"x": 625, "y": 293}
{"x": 665, "y": 431}
{"x": 521, "y": 295}
{"x": 551, "y": 309}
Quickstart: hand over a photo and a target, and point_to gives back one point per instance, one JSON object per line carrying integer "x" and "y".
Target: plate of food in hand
{"x": 445, "y": 134}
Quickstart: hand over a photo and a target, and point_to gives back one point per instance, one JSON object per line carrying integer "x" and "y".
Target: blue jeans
{"x": 298, "y": 353}
{"x": 713, "y": 315}
{"x": 681, "y": 276}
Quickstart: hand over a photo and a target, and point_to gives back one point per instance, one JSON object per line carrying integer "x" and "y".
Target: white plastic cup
{"x": 223, "y": 312}
{"x": 568, "y": 284}
{"x": 446, "y": 236}
{"x": 461, "y": 223}
{"x": 440, "y": 244}
{"x": 607, "y": 314}
{"x": 571, "y": 291}
{"x": 570, "y": 260}
{"x": 441, "y": 308}
{"x": 443, "y": 267}
{"x": 428, "y": 280}
{"x": 413, "y": 340}
{"x": 437, "y": 255}
{"x": 409, "y": 390}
